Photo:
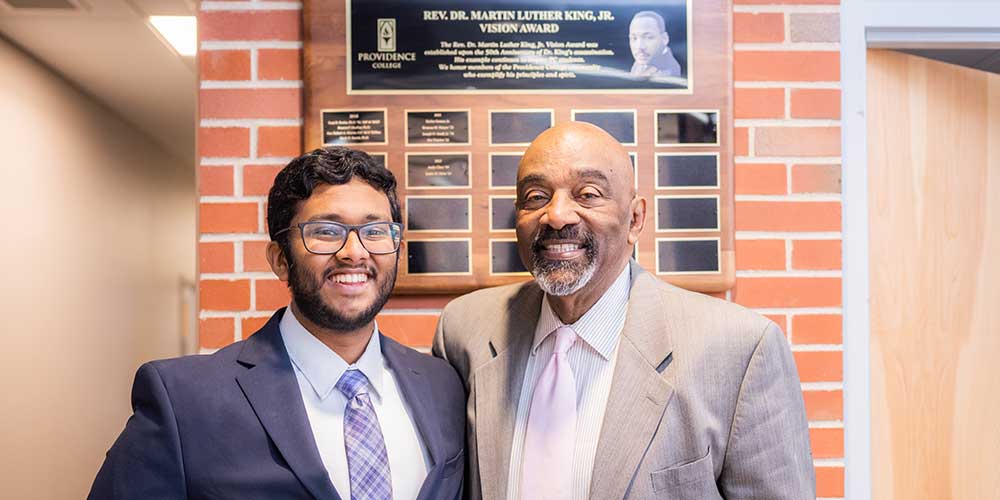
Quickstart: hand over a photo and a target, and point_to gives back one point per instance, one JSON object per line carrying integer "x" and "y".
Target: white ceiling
{"x": 108, "y": 49}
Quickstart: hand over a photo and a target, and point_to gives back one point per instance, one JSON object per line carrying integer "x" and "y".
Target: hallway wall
{"x": 99, "y": 234}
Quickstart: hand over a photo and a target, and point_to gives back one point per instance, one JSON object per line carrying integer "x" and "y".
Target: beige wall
{"x": 98, "y": 229}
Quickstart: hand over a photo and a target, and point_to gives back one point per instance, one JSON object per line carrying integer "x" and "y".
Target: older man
{"x": 597, "y": 380}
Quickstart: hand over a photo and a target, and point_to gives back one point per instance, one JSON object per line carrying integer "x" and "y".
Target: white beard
{"x": 560, "y": 288}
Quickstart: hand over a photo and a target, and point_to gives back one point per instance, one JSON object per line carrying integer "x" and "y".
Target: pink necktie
{"x": 546, "y": 469}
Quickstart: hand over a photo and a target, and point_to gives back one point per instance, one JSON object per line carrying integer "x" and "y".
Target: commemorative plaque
{"x": 687, "y": 256}
{"x": 518, "y": 128}
{"x": 379, "y": 159}
{"x": 426, "y": 128}
{"x": 354, "y": 127}
{"x": 503, "y": 169}
{"x": 437, "y": 170}
{"x": 687, "y": 170}
{"x": 438, "y": 257}
{"x": 687, "y": 213}
{"x": 438, "y": 213}
{"x": 619, "y": 123}
{"x": 687, "y": 128}
{"x": 503, "y": 215}
{"x": 504, "y": 259}
{"x": 448, "y": 94}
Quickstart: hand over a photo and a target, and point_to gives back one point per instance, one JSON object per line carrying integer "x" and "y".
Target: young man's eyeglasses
{"x": 328, "y": 237}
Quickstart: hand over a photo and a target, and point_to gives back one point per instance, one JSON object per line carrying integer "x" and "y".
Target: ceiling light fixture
{"x": 181, "y": 32}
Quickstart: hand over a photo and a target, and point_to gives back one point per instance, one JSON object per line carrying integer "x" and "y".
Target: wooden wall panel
{"x": 324, "y": 59}
{"x": 934, "y": 201}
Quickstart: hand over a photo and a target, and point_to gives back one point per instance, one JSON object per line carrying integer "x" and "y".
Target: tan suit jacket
{"x": 705, "y": 401}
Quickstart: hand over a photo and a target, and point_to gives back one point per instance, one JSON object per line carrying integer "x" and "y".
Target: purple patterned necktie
{"x": 367, "y": 462}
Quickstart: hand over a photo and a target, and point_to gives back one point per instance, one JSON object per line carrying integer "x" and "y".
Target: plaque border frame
{"x": 385, "y": 120}
{"x": 495, "y": 196}
{"x": 406, "y": 128}
{"x": 635, "y": 121}
{"x": 718, "y": 129}
{"x": 468, "y": 242}
{"x": 489, "y": 124}
{"x": 656, "y": 213}
{"x": 688, "y": 90}
{"x": 490, "y": 172}
{"x": 490, "y": 249}
{"x": 406, "y": 213}
{"x": 406, "y": 169}
{"x": 718, "y": 257}
{"x": 656, "y": 170}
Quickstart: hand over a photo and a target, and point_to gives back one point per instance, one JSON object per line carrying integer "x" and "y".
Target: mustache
{"x": 573, "y": 232}
{"x": 369, "y": 270}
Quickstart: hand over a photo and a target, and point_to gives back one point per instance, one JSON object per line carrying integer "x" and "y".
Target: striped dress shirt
{"x": 592, "y": 359}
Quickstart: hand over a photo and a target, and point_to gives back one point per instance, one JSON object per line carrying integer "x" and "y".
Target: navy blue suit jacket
{"x": 233, "y": 425}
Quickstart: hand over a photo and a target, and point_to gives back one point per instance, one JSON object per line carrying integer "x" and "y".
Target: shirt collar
{"x": 594, "y": 327}
{"x": 321, "y": 366}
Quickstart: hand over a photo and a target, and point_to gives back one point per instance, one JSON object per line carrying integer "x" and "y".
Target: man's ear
{"x": 276, "y": 258}
{"x": 637, "y": 220}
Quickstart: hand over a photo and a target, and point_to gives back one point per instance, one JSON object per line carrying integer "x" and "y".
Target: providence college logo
{"x": 386, "y": 35}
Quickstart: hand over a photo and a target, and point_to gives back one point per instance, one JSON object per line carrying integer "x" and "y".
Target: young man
{"x": 317, "y": 403}
{"x": 598, "y": 380}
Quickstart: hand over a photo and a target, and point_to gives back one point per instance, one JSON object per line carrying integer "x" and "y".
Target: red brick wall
{"x": 787, "y": 184}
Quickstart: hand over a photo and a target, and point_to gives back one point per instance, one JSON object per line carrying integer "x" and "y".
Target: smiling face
{"x": 343, "y": 291}
{"x": 577, "y": 213}
{"x": 646, "y": 39}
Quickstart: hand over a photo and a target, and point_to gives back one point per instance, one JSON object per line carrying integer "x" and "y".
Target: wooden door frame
{"x": 868, "y": 24}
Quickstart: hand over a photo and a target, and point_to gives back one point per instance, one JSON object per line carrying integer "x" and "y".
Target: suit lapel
{"x": 498, "y": 388}
{"x": 270, "y": 387}
{"x": 419, "y": 394}
{"x": 639, "y": 394}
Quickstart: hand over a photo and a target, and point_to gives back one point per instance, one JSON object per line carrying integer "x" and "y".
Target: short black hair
{"x": 660, "y": 23}
{"x": 333, "y": 165}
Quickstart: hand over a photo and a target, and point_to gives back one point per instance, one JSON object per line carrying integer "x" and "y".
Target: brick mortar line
{"x": 787, "y": 47}
{"x": 254, "y": 69}
{"x": 236, "y": 276}
{"x": 238, "y": 185}
{"x": 795, "y": 235}
{"x": 788, "y": 262}
{"x": 803, "y": 197}
{"x": 237, "y": 329}
{"x": 828, "y": 462}
{"x": 826, "y": 424}
{"x": 785, "y": 122}
{"x": 754, "y": 84}
{"x": 810, "y": 160}
{"x": 231, "y": 237}
{"x": 786, "y": 93}
{"x": 799, "y": 310}
{"x": 817, "y": 347}
{"x": 238, "y": 257}
{"x": 790, "y": 274}
{"x": 822, "y": 386}
{"x": 254, "y": 133}
{"x": 262, "y": 216}
{"x": 248, "y": 44}
{"x": 790, "y": 9}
